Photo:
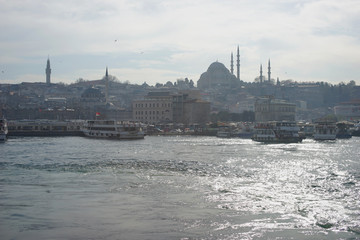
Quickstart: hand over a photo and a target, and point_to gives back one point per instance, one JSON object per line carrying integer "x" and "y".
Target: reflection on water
{"x": 178, "y": 188}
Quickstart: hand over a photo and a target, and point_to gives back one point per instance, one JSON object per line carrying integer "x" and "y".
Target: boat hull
{"x": 324, "y": 137}
{"x": 118, "y": 136}
{"x": 277, "y": 140}
{"x": 2, "y": 137}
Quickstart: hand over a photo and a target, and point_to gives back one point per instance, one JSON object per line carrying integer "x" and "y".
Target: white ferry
{"x": 277, "y": 132}
{"x": 112, "y": 129}
{"x": 3, "y": 130}
{"x": 325, "y": 131}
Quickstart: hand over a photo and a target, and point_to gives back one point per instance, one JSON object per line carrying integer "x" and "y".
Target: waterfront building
{"x": 348, "y": 110}
{"x": 188, "y": 109}
{"x": 196, "y": 111}
{"x": 164, "y": 107}
{"x": 247, "y": 105}
{"x": 154, "y": 108}
{"x": 271, "y": 109}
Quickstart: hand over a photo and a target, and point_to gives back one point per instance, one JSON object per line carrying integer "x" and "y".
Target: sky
{"x": 156, "y": 41}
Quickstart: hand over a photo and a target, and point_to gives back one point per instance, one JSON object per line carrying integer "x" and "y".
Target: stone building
{"x": 154, "y": 108}
{"x": 270, "y": 109}
{"x": 164, "y": 107}
{"x": 188, "y": 110}
{"x": 196, "y": 111}
{"x": 348, "y": 110}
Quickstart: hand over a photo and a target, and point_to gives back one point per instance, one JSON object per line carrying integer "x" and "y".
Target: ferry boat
{"x": 3, "y": 130}
{"x": 112, "y": 129}
{"x": 325, "y": 131}
{"x": 45, "y": 128}
{"x": 277, "y": 132}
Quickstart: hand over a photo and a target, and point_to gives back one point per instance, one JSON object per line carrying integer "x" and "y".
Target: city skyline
{"x": 159, "y": 41}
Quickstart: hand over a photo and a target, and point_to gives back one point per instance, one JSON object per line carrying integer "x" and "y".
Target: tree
{"x": 351, "y": 83}
{"x": 191, "y": 83}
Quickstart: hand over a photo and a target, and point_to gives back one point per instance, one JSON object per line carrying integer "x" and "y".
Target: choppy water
{"x": 178, "y": 188}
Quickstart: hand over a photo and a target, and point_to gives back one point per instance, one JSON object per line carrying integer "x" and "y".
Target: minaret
{"x": 269, "y": 71}
{"x": 232, "y": 64}
{"x": 106, "y": 85}
{"x": 48, "y": 72}
{"x": 238, "y": 63}
{"x": 261, "y": 76}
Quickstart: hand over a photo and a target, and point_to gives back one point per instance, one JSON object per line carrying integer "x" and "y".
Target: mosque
{"x": 217, "y": 75}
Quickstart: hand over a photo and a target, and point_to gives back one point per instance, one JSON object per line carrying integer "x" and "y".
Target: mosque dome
{"x": 216, "y": 65}
{"x": 217, "y": 75}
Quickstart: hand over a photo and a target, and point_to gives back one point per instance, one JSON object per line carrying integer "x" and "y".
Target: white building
{"x": 348, "y": 110}
{"x": 270, "y": 109}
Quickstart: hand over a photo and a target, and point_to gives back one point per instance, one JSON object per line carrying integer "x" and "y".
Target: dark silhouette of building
{"x": 217, "y": 76}
{"x": 238, "y": 64}
{"x": 232, "y": 64}
{"x": 269, "y": 72}
{"x": 106, "y": 86}
{"x": 48, "y": 72}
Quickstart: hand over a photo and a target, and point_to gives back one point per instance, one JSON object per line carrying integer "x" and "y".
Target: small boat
{"x": 3, "y": 130}
{"x": 325, "y": 131}
{"x": 112, "y": 129}
{"x": 277, "y": 132}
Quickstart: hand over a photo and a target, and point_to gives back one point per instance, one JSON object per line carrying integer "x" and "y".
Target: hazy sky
{"x": 163, "y": 40}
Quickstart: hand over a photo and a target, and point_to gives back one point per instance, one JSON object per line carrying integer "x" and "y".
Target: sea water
{"x": 178, "y": 187}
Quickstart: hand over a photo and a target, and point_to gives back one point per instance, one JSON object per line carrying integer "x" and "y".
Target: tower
{"x": 238, "y": 64}
{"x": 48, "y": 71}
{"x": 232, "y": 64}
{"x": 269, "y": 71}
{"x": 106, "y": 85}
{"x": 261, "y": 76}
